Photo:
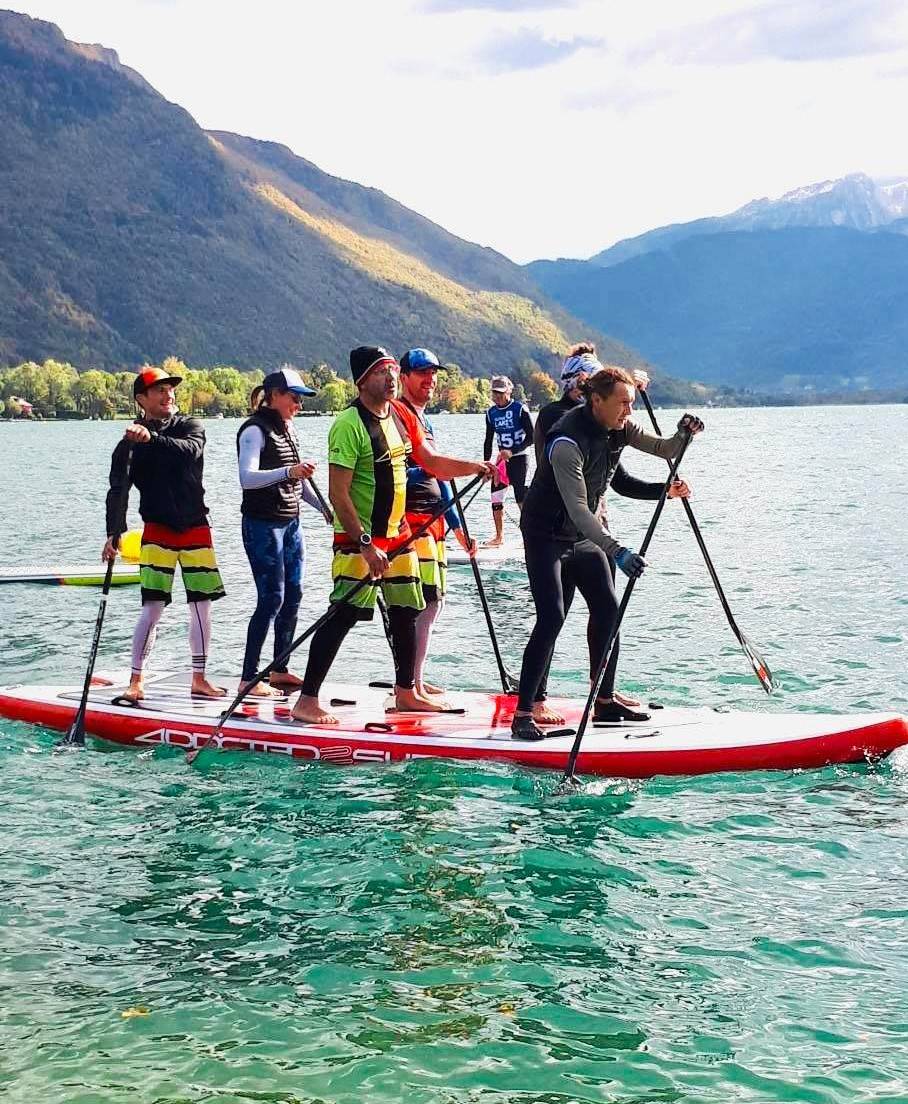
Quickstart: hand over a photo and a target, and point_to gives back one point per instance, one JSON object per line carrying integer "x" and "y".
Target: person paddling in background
{"x": 508, "y": 423}
{"x": 580, "y": 363}
{"x": 274, "y": 480}
{"x": 568, "y": 548}
{"x": 368, "y": 447}
{"x": 419, "y": 370}
{"x": 167, "y": 466}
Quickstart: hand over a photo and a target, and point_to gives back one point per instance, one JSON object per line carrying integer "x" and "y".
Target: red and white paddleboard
{"x": 674, "y": 741}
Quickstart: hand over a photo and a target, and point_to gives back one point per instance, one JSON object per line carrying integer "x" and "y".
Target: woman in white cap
{"x": 274, "y": 480}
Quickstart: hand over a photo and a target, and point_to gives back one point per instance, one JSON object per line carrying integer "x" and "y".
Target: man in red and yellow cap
{"x": 167, "y": 460}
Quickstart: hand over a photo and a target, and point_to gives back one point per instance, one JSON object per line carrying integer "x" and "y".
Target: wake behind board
{"x": 674, "y": 741}
{"x": 69, "y": 575}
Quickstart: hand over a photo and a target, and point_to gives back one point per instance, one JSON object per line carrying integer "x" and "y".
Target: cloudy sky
{"x": 542, "y": 128}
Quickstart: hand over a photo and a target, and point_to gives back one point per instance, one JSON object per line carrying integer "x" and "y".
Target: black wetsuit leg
{"x": 593, "y": 575}
{"x": 568, "y": 591}
{"x": 552, "y": 587}
{"x": 402, "y": 624}
{"x": 517, "y": 474}
{"x": 324, "y": 648}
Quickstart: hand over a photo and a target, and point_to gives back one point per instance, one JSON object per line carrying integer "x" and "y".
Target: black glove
{"x": 692, "y": 424}
{"x": 630, "y": 563}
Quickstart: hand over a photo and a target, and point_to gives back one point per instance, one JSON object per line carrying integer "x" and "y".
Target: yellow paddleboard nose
{"x": 131, "y": 545}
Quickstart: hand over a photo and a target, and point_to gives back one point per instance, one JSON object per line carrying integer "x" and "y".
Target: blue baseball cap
{"x": 287, "y": 379}
{"x": 420, "y": 360}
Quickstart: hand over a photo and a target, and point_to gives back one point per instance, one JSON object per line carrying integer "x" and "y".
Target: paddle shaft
{"x": 508, "y": 682}
{"x": 625, "y": 600}
{"x": 326, "y": 509}
{"x": 380, "y": 601}
{"x": 76, "y": 732}
{"x": 317, "y": 624}
{"x": 466, "y": 505}
{"x": 707, "y": 559}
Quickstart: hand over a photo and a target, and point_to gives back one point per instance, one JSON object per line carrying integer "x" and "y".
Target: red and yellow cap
{"x": 148, "y": 377}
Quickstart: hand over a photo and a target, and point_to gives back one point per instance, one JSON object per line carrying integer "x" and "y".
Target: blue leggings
{"x": 276, "y": 555}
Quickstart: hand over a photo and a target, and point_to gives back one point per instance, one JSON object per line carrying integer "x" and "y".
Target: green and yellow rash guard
{"x": 375, "y": 450}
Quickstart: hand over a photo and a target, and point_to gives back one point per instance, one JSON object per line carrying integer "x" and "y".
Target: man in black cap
{"x": 167, "y": 462}
{"x": 368, "y": 447}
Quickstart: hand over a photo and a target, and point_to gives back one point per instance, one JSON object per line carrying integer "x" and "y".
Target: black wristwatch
{"x": 365, "y": 541}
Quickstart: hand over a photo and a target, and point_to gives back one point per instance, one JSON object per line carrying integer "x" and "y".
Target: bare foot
{"x": 202, "y": 688}
{"x": 285, "y": 680}
{"x": 495, "y": 542}
{"x": 135, "y": 691}
{"x": 543, "y": 715}
{"x": 626, "y": 700}
{"x": 259, "y": 690}
{"x": 308, "y": 710}
{"x": 408, "y": 701}
{"x": 428, "y": 688}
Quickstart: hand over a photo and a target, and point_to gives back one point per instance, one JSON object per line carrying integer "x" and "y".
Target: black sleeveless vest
{"x": 544, "y": 514}
{"x": 280, "y": 501}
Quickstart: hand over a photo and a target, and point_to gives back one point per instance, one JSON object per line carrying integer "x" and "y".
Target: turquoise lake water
{"x": 441, "y": 932}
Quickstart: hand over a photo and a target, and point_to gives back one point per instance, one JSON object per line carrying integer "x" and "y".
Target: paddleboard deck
{"x": 674, "y": 741}
{"x": 504, "y": 553}
{"x": 69, "y": 575}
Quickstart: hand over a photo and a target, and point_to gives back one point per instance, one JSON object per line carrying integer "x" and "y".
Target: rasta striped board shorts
{"x": 163, "y": 548}
{"x": 432, "y": 555}
{"x": 400, "y": 585}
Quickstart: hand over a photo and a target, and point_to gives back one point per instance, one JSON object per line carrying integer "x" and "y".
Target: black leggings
{"x": 556, "y": 571}
{"x": 327, "y": 641}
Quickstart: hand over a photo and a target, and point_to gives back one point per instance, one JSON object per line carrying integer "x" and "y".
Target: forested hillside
{"x": 128, "y": 234}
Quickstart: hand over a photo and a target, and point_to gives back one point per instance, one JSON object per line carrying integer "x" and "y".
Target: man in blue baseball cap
{"x": 419, "y": 369}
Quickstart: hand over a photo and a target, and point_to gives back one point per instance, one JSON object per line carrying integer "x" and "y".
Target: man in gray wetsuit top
{"x": 568, "y": 548}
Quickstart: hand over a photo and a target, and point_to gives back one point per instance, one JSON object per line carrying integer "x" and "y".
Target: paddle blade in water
{"x": 759, "y": 664}
{"x": 74, "y": 740}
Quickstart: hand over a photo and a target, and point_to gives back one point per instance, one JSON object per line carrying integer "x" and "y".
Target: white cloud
{"x": 510, "y": 124}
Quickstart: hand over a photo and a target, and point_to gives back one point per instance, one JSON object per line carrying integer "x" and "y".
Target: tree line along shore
{"x": 55, "y": 389}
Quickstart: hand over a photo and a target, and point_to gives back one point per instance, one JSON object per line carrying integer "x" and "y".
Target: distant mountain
{"x": 807, "y": 293}
{"x": 854, "y": 201}
{"x": 803, "y": 308}
{"x": 127, "y": 233}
